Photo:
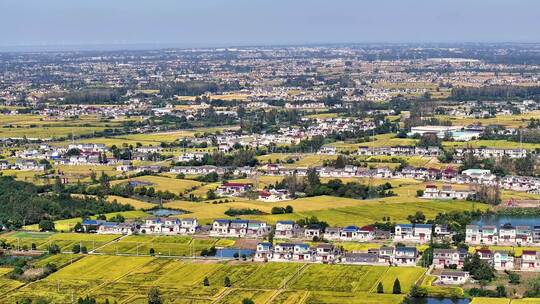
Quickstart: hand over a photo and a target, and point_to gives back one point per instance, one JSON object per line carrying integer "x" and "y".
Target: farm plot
{"x": 289, "y": 297}
{"x": 57, "y": 259}
{"x": 54, "y": 290}
{"x": 160, "y": 183}
{"x": 163, "y": 245}
{"x": 271, "y": 275}
{"x": 66, "y": 241}
{"x": 237, "y": 295}
{"x": 338, "y": 278}
{"x": 175, "y": 278}
{"x": 407, "y": 277}
{"x": 490, "y": 301}
{"x": 5, "y": 283}
{"x": 128, "y": 279}
{"x": 237, "y": 274}
{"x": 79, "y": 278}
{"x": 319, "y": 297}
{"x": 100, "y": 268}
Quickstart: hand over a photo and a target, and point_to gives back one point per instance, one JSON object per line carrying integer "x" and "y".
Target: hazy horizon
{"x": 226, "y": 23}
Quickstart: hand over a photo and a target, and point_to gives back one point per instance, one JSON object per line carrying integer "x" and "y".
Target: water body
{"x": 231, "y": 253}
{"x": 498, "y": 220}
{"x": 440, "y": 301}
{"x": 165, "y": 212}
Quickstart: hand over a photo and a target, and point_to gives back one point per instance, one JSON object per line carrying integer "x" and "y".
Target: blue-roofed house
{"x": 303, "y": 253}
{"x": 264, "y": 252}
{"x": 89, "y": 225}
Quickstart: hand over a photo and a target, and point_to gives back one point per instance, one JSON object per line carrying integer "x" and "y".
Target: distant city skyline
{"x": 97, "y": 24}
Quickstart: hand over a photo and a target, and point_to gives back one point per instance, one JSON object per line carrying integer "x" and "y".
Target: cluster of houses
{"x": 499, "y": 259}
{"x": 459, "y": 153}
{"x": 486, "y": 153}
{"x": 328, "y": 253}
{"x": 399, "y": 151}
{"x": 446, "y": 192}
{"x": 240, "y": 228}
{"x": 447, "y": 263}
{"x": 23, "y": 165}
{"x": 506, "y": 234}
{"x": 158, "y": 225}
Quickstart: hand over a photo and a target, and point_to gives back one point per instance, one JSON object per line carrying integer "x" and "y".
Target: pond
{"x": 165, "y": 212}
{"x": 231, "y": 253}
{"x": 439, "y": 301}
{"x": 515, "y": 220}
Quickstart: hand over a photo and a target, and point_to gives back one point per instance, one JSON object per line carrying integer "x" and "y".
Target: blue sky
{"x": 258, "y": 22}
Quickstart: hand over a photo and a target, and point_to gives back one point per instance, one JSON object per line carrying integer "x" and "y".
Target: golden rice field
{"x": 161, "y": 183}
{"x": 128, "y": 279}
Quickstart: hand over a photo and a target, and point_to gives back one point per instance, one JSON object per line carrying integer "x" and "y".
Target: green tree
{"x": 524, "y": 166}
{"x": 513, "y": 277}
{"x": 86, "y": 300}
{"x": 380, "y": 288}
{"x": 247, "y": 301}
{"x": 501, "y": 291}
{"x": 154, "y": 296}
{"x": 288, "y": 209}
{"x": 78, "y": 227}
{"x": 341, "y": 162}
{"x": 46, "y": 225}
{"x": 211, "y": 194}
{"x": 227, "y": 282}
{"x": 417, "y": 218}
{"x": 53, "y": 249}
{"x": 533, "y": 288}
{"x": 396, "y": 289}
{"x": 76, "y": 248}
{"x": 313, "y": 179}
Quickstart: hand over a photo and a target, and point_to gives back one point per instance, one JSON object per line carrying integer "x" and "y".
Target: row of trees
{"x": 311, "y": 185}
{"x": 24, "y": 203}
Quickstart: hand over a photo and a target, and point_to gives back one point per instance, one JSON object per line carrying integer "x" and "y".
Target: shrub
{"x": 396, "y": 289}
{"x": 380, "y": 288}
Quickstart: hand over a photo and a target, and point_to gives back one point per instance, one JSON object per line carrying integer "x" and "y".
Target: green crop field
{"x": 509, "y": 121}
{"x": 407, "y": 277}
{"x": 128, "y": 279}
{"x": 152, "y": 139}
{"x": 65, "y": 241}
{"x": 339, "y": 278}
{"x": 163, "y": 245}
{"x": 36, "y": 126}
